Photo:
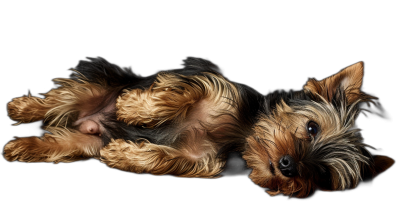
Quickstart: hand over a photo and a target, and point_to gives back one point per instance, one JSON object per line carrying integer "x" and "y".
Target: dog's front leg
{"x": 144, "y": 157}
{"x": 170, "y": 98}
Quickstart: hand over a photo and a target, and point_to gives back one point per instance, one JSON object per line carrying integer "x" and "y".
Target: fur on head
{"x": 307, "y": 140}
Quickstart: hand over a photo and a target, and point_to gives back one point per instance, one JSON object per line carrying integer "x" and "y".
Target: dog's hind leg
{"x": 144, "y": 157}
{"x": 27, "y": 109}
{"x": 62, "y": 145}
{"x": 61, "y": 109}
{"x": 72, "y": 100}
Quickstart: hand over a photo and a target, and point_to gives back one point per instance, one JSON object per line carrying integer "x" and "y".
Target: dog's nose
{"x": 287, "y": 165}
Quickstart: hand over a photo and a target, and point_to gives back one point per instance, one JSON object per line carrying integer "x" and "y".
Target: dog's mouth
{"x": 271, "y": 168}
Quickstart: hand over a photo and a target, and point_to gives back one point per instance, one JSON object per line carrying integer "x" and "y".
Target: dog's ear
{"x": 349, "y": 79}
{"x": 381, "y": 163}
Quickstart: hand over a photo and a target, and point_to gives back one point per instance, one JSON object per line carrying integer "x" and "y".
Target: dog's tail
{"x": 108, "y": 75}
{"x": 196, "y": 66}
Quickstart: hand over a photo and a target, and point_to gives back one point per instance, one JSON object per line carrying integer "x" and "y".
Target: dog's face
{"x": 307, "y": 140}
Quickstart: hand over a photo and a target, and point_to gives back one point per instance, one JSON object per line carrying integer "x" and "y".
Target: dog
{"x": 185, "y": 122}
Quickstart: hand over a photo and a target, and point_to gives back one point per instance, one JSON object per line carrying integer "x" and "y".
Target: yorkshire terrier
{"x": 186, "y": 121}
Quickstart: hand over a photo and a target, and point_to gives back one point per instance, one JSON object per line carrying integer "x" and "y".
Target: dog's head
{"x": 307, "y": 139}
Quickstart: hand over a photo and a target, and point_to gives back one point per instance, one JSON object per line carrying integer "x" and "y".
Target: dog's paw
{"x": 113, "y": 153}
{"x": 30, "y": 149}
{"x": 14, "y": 150}
{"x": 125, "y": 155}
{"x": 25, "y": 150}
{"x": 25, "y": 109}
{"x": 45, "y": 149}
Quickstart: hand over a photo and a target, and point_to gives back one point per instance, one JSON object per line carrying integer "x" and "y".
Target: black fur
{"x": 98, "y": 70}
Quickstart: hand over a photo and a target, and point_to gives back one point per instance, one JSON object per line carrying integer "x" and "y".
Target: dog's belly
{"x": 209, "y": 124}
{"x": 207, "y": 128}
{"x": 91, "y": 124}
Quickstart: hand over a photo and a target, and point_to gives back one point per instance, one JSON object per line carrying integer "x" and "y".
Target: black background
{"x": 260, "y": 51}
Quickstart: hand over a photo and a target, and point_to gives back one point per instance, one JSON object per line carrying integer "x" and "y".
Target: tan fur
{"x": 350, "y": 79}
{"x": 272, "y": 140}
{"x": 145, "y": 157}
{"x": 27, "y": 109}
{"x": 171, "y": 99}
{"x": 60, "y": 107}
{"x": 72, "y": 99}
{"x": 61, "y": 146}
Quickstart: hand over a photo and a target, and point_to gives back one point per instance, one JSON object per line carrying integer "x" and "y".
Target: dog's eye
{"x": 312, "y": 128}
